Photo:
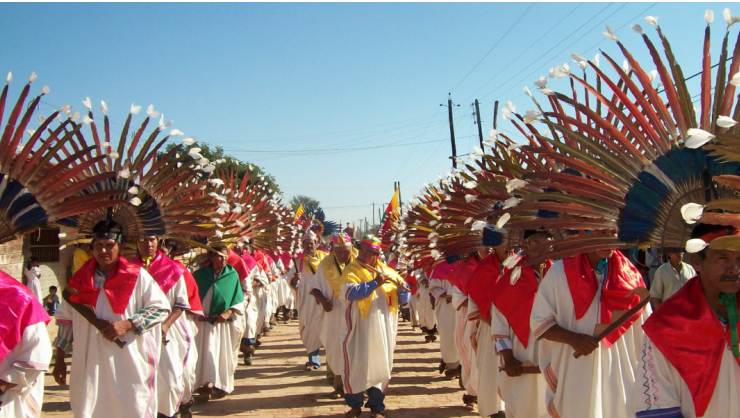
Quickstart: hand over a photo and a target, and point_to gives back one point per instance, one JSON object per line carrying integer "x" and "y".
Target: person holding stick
{"x": 110, "y": 380}
{"x": 309, "y": 310}
{"x": 370, "y": 293}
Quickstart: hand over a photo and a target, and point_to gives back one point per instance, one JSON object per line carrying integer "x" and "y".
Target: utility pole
{"x": 480, "y": 128}
{"x": 452, "y": 128}
{"x": 400, "y": 202}
{"x": 495, "y": 112}
{"x": 373, "y": 213}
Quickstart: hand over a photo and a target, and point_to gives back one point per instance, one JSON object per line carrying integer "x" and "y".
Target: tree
{"x": 217, "y": 156}
{"x": 300, "y": 199}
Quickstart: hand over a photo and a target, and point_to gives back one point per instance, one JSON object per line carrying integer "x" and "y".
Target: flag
{"x": 388, "y": 228}
{"x": 299, "y": 214}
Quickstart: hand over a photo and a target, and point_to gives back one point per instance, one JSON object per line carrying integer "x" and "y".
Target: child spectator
{"x": 51, "y": 301}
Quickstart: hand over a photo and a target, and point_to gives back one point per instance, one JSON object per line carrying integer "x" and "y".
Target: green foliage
{"x": 217, "y": 156}
{"x": 300, "y": 199}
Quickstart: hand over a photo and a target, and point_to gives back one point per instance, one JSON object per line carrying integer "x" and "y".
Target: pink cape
{"x": 164, "y": 271}
{"x": 19, "y": 309}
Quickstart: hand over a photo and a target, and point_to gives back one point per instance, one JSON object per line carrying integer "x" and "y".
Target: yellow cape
{"x": 313, "y": 262}
{"x": 356, "y": 274}
{"x": 333, "y": 275}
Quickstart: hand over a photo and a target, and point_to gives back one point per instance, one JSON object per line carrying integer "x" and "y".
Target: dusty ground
{"x": 276, "y": 386}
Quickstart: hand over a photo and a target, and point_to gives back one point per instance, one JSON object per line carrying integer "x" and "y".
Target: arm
{"x": 321, "y": 300}
{"x": 63, "y": 342}
{"x": 362, "y": 290}
{"x": 500, "y": 331}
{"x": 583, "y": 344}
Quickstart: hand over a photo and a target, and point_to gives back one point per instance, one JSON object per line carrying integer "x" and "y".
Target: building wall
{"x": 11, "y": 258}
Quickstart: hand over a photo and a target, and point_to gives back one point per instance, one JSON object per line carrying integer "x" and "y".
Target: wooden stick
{"x": 369, "y": 267}
{"x": 89, "y": 315}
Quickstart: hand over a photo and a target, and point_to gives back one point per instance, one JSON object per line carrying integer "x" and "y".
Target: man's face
{"x": 675, "y": 257}
{"x": 342, "y": 253}
{"x": 52, "y": 291}
{"x": 218, "y": 260}
{"x": 249, "y": 248}
{"x": 600, "y": 234}
{"x": 147, "y": 247}
{"x": 536, "y": 240}
{"x": 105, "y": 251}
{"x": 719, "y": 269}
{"x": 368, "y": 255}
{"x": 309, "y": 246}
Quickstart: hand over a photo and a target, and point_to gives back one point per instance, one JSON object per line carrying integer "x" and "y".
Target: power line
{"x": 531, "y": 5}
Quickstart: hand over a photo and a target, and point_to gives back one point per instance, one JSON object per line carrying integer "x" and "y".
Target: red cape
{"x": 461, "y": 276}
{"x": 515, "y": 301}
{"x": 196, "y": 306}
{"x": 413, "y": 283}
{"x": 239, "y": 265}
{"x": 118, "y": 286}
{"x": 480, "y": 286}
{"x": 19, "y": 310}
{"x": 691, "y": 337}
{"x": 622, "y": 278}
{"x": 164, "y": 271}
{"x": 442, "y": 271}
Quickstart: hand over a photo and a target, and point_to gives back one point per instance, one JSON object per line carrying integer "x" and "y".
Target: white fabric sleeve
{"x": 656, "y": 388}
{"x": 435, "y": 288}
{"x": 458, "y": 298}
{"x": 658, "y": 285}
{"x": 181, "y": 294}
{"x": 32, "y": 356}
{"x": 544, "y": 310}
{"x": 500, "y": 327}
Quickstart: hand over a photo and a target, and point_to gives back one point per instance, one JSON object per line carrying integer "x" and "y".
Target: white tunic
{"x": 251, "y": 312}
{"x": 445, "y": 313}
{"x": 308, "y": 312}
{"x": 427, "y": 317}
{"x": 24, "y": 366}
{"x": 598, "y": 385}
{"x": 107, "y": 381}
{"x": 329, "y": 323}
{"x": 489, "y": 401}
{"x": 524, "y": 395}
{"x": 217, "y": 345}
{"x": 191, "y": 359}
{"x": 660, "y": 389}
{"x": 367, "y": 343}
{"x": 171, "y": 368}
{"x": 463, "y": 333}
{"x": 33, "y": 283}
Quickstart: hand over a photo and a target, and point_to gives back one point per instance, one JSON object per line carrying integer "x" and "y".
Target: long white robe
{"x": 489, "y": 401}
{"x": 217, "y": 348}
{"x": 170, "y": 372}
{"x": 111, "y": 382}
{"x": 251, "y": 311}
{"x": 466, "y": 356}
{"x": 308, "y": 312}
{"x": 445, "y": 313}
{"x": 598, "y": 385}
{"x": 261, "y": 296}
{"x": 367, "y": 343}
{"x": 427, "y": 317}
{"x": 414, "y": 309}
{"x": 191, "y": 359}
{"x": 660, "y": 387}
{"x": 524, "y": 395}
{"x": 329, "y": 322}
{"x": 33, "y": 283}
{"x": 24, "y": 366}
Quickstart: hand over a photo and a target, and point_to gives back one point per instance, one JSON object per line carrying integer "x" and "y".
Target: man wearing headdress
{"x": 309, "y": 311}
{"x": 110, "y": 381}
{"x": 370, "y": 303}
{"x": 578, "y": 297}
{"x": 176, "y": 337}
{"x": 427, "y": 318}
{"x": 218, "y": 334}
{"x": 326, "y": 292}
{"x": 172, "y": 248}
{"x": 25, "y": 351}
{"x": 251, "y": 308}
{"x": 520, "y": 383}
{"x": 480, "y": 294}
{"x": 465, "y": 328}
{"x": 262, "y": 290}
{"x": 440, "y": 290}
{"x": 690, "y": 366}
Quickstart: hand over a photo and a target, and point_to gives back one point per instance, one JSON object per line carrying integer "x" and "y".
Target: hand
{"x": 165, "y": 328}
{"x": 60, "y": 372}
{"x": 463, "y": 305}
{"x": 117, "y": 329}
{"x": 294, "y": 280}
{"x": 221, "y": 319}
{"x": 583, "y": 344}
{"x": 327, "y": 304}
{"x": 448, "y": 299}
{"x": 380, "y": 279}
{"x": 512, "y": 366}
{"x": 431, "y": 300}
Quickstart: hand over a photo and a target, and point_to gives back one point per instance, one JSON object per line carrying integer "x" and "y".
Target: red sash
{"x": 196, "y": 306}
{"x": 413, "y": 283}
{"x": 692, "y": 339}
{"x": 515, "y": 302}
{"x": 19, "y": 310}
{"x": 464, "y": 273}
{"x": 622, "y": 278}
{"x": 164, "y": 271}
{"x": 118, "y": 286}
{"x": 482, "y": 281}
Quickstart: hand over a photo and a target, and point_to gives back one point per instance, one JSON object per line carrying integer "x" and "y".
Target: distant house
{"x": 44, "y": 244}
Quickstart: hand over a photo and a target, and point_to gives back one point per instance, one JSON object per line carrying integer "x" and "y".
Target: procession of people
{"x": 529, "y": 270}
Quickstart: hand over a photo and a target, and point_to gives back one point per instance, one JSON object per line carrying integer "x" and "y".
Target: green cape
{"x": 227, "y": 290}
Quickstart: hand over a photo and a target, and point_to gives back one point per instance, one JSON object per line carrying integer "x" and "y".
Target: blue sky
{"x": 336, "y": 100}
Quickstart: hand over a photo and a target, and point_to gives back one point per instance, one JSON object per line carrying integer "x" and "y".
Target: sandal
{"x": 337, "y": 394}
{"x": 218, "y": 393}
{"x": 380, "y": 414}
{"x": 353, "y": 413}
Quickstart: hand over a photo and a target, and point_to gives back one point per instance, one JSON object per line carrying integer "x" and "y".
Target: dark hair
{"x": 30, "y": 261}
{"x": 52, "y": 288}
